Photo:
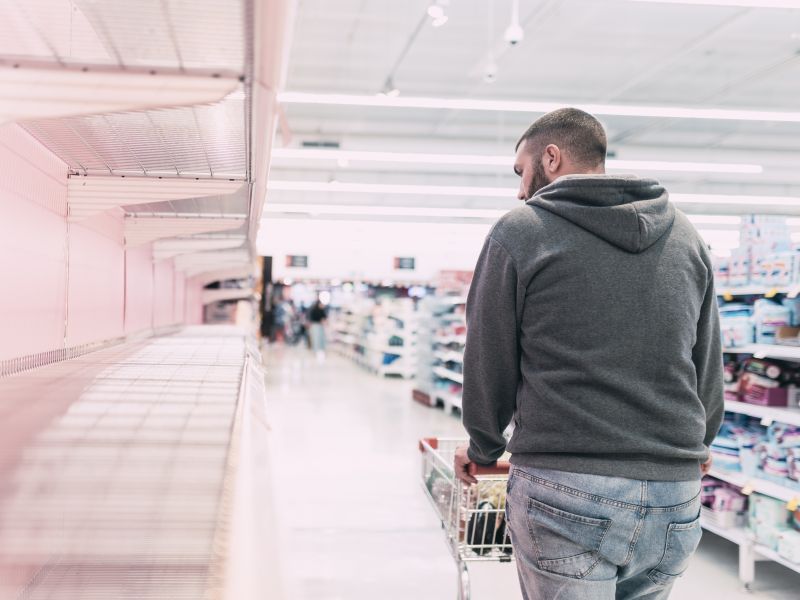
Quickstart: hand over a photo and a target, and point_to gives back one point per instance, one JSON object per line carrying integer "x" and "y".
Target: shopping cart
{"x": 473, "y": 516}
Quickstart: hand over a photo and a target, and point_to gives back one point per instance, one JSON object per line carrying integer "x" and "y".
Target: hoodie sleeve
{"x": 707, "y": 358}
{"x": 491, "y": 358}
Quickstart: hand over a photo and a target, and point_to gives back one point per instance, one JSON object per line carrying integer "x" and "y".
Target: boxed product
{"x": 722, "y": 267}
{"x": 793, "y": 304}
{"x": 768, "y": 383}
{"x": 768, "y": 519}
{"x": 739, "y": 270}
{"x": 788, "y": 336}
{"x": 731, "y": 374}
{"x": 722, "y": 504}
{"x": 736, "y": 325}
{"x": 768, "y": 317}
{"x": 789, "y": 545}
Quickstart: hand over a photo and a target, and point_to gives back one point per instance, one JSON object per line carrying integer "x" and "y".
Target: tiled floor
{"x": 355, "y": 523}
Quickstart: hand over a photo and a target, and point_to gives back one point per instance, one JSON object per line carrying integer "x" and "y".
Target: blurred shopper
{"x": 593, "y": 325}
{"x": 317, "y": 316}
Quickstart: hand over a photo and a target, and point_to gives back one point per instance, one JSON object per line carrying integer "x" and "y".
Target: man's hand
{"x": 706, "y": 466}
{"x": 461, "y": 465}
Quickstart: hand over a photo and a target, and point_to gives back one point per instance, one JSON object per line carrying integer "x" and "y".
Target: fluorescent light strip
{"x": 504, "y": 161}
{"x": 710, "y": 220}
{"x": 667, "y": 112}
{"x": 384, "y": 188}
{"x": 384, "y": 211}
{"x": 713, "y": 222}
{"x": 508, "y": 193}
{"x": 748, "y": 3}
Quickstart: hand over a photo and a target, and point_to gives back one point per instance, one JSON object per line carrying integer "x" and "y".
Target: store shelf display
{"x": 755, "y": 463}
{"x": 440, "y": 376}
{"x": 380, "y": 337}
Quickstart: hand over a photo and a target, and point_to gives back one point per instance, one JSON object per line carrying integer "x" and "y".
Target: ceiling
{"x": 158, "y": 107}
{"x": 618, "y": 53}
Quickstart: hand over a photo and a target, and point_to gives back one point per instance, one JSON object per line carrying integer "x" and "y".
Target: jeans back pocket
{"x": 681, "y": 543}
{"x": 565, "y": 543}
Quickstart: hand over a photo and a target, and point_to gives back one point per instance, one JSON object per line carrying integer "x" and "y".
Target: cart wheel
{"x": 463, "y": 582}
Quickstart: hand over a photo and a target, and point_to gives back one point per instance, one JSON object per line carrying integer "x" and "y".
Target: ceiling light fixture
{"x": 384, "y": 211}
{"x": 435, "y": 11}
{"x": 503, "y": 161}
{"x": 623, "y": 110}
{"x": 390, "y": 90}
{"x": 388, "y": 188}
{"x": 746, "y": 3}
{"x": 508, "y": 193}
{"x": 514, "y": 33}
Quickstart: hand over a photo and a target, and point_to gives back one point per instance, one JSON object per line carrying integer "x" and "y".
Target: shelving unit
{"x": 365, "y": 339}
{"x": 445, "y": 322}
{"x": 779, "y": 352}
{"x": 759, "y": 290}
{"x": 448, "y": 374}
{"x": 749, "y": 551}
{"x": 757, "y": 485}
{"x": 139, "y": 461}
{"x": 768, "y": 414}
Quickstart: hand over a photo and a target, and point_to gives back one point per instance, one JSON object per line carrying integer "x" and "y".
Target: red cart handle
{"x": 501, "y": 467}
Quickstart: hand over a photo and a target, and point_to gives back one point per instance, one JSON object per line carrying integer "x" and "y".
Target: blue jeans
{"x": 588, "y": 537}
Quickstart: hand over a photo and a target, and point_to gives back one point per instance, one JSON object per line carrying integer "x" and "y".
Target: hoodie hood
{"x": 626, "y": 211}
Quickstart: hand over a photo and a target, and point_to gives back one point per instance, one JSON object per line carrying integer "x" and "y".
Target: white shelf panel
{"x": 758, "y": 290}
{"x": 448, "y": 374}
{"x": 737, "y": 535}
{"x": 761, "y": 486}
{"x": 449, "y": 356}
{"x": 772, "y": 555}
{"x": 453, "y": 300}
{"x": 449, "y": 339}
{"x": 767, "y": 351}
{"x": 790, "y": 416}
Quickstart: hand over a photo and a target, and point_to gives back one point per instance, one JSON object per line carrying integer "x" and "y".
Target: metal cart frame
{"x": 473, "y": 516}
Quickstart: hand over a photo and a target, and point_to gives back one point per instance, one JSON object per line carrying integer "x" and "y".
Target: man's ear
{"x": 552, "y": 158}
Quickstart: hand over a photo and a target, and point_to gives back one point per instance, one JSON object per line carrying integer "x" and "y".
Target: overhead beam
{"x": 89, "y": 195}
{"x": 143, "y": 230}
{"x": 52, "y": 91}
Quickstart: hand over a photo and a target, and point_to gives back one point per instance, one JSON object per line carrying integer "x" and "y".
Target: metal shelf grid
{"x": 119, "y": 495}
{"x": 197, "y": 35}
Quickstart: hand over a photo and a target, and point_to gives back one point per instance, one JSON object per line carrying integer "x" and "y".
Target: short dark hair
{"x": 574, "y": 131}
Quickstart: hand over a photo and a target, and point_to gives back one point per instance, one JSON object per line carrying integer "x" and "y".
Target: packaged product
{"x": 736, "y": 325}
{"x": 768, "y": 316}
{"x": 768, "y": 519}
{"x": 789, "y": 545}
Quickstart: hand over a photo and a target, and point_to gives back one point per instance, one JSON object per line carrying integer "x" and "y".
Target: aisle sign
{"x": 299, "y": 262}
{"x": 405, "y": 262}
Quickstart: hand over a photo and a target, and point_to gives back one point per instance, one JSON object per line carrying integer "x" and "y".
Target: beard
{"x": 539, "y": 179}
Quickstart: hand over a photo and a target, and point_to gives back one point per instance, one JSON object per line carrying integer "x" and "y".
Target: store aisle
{"x": 355, "y": 523}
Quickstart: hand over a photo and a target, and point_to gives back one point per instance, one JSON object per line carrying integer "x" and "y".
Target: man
{"x": 593, "y": 324}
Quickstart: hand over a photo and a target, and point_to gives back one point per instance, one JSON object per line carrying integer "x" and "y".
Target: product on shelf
{"x": 765, "y": 255}
{"x": 731, "y": 375}
{"x": 769, "y": 453}
{"x": 736, "y": 325}
{"x": 769, "y": 316}
{"x": 723, "y": 505}
{"x": 789, "y": 546}
{"x": 768, "y": 519}
{"x": 768, "y": 383}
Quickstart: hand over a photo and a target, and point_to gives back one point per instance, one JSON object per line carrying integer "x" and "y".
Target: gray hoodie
{"x": 593, "y": 323}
